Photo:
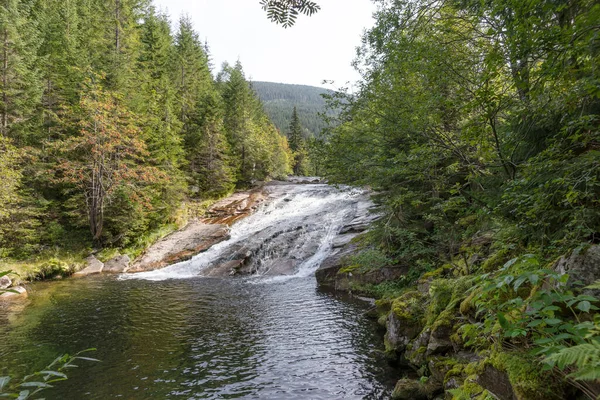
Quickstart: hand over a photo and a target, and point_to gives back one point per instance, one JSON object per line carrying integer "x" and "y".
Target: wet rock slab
{"x": 195, "y": 238}
{"x": 199, "y": 235}
{"x": 234, "y": 207}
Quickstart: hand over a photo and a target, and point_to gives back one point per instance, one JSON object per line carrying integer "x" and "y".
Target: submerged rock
{"x": 93, "y": 266}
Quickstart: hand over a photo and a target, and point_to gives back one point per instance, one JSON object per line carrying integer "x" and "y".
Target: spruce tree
{"x": 20, "y": 86}
{"x": 297, "y": 145}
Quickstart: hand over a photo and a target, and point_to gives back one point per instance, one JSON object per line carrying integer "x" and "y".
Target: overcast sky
{"x": 317, "y": 48}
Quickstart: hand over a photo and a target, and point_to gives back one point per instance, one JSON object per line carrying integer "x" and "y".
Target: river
{"x": 174, "y": 333}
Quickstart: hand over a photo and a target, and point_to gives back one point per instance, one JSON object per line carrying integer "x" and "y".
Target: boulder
{"x": 327, "y": 274}
{"x": 14, "y": 292}
{"x": 93, "y": 266}
{"x": 404, "y": 322}
{"x": 416, "y": 352}
{"x": 5, "y": 282}
{"x": 439, "y": 340}
{"x": 497, "y": 383}
{"x": 583, "y": 267}
{"x": 410, "y": 389}
{"x": 117, "y": 265}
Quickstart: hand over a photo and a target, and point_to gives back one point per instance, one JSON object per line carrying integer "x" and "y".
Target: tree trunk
{"x": 4, "y": 120}
{"x": 117, "y": 26}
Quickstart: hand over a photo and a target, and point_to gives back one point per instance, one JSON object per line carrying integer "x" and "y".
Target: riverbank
{"x": 452, "y": 329}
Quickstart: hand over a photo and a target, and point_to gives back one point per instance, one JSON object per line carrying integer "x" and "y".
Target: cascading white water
{"x": 295, "y": 226}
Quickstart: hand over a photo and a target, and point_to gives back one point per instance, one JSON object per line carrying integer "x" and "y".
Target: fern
{"x": 584, "y": 357}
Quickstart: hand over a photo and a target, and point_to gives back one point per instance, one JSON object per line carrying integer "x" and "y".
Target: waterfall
{"x": 289, "y": 235}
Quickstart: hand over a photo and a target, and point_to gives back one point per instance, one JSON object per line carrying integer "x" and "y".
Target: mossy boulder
{"x": 405, "y": 321}
{"x": 518, "y": 376}
{"x": 440, "y": 341}
{"x": 416, "y": 351}
{"x": 410, "y": 389}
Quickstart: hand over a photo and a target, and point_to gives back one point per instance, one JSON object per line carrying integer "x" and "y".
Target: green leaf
{"x": 502, "y": 320}
{"x": 534, "y": 278}
{"x": 23, "y": 395}
{"x": 54, "y": 373}
{"x": 87, "y": 358}
{"x": 519, "y": 281}
{"x": 535, "y": 323}
{"x": 552, "y": 321}
{"x": 35, "y": 384}
{"x": 584, "y": 306}
{"x": 4, "y": 381}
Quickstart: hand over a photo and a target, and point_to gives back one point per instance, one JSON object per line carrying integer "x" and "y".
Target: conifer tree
{"x": 208, "y": 149}
{"x": 155, "y": 103}
{"x": 297, "y": 145}
{"x": 20, "y": 86}
{"x": 106, "y": 156}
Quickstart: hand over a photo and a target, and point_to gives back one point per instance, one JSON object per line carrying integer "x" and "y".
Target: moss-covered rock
{"x": 416, "y": 351}
{"x": 405, "y": 321}
{"x": 518, "y": 376}
{"x": 410, "y": 389}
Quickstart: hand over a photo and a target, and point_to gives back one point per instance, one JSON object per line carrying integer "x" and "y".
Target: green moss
{"x": 496, "y": 260}
{"x": 348, "y": 268}
{"x": 438, "y": 273}
{"x": 45, "y": 266}
{"x": 467, "y": 306}
{"x": 446, "y": 318}
{"x": 526, "y": 377}
{"x": 445, "y": 295}
{"x": 470, "y": 390}
{"x": 409, "y": 306}
{"x": 440, "y": 292}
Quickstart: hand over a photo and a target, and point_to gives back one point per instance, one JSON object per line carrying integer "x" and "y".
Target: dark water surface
{"x": 198, "y": 339}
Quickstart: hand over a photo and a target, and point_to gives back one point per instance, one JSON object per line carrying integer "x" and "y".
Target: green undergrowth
{"x": 506, "y": 300}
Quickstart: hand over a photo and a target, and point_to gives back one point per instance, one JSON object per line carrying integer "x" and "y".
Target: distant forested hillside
{"x": 279, "y": 100}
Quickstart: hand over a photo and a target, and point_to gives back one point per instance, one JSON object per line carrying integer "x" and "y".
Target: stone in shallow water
{"x": 409, "y": 389}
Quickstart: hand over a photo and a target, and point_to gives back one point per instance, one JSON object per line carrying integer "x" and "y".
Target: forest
{"x": 110, "y": 118}
{"x": 477, "y": 124}
{"x": 280, "y": 99}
